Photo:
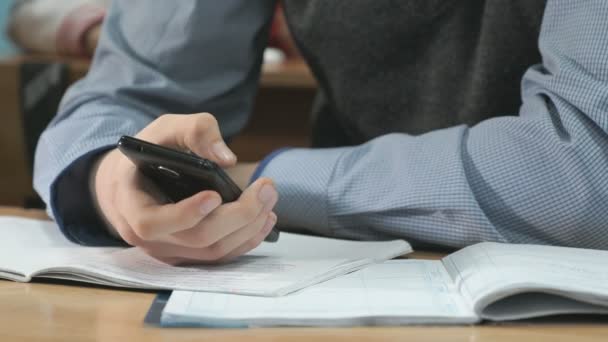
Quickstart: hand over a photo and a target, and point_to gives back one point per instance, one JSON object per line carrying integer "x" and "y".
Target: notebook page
{"x": 394, "y": 292}
{"x": 487, "y": 270}
{"x": 19, "y": 232}
{"x": 273, "y": 269}
{"x": 312, "y": 247}
{"x": 29, "y": 245}
{"x": 253, "y": 275}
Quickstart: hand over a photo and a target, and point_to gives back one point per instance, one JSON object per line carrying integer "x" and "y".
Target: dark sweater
{"x": 413, "y": 66}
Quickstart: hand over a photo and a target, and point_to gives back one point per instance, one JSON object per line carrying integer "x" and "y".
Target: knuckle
{"x": 170, "y": 116}
{"x": 205, "y": 123}
{"x": 202, "y": 123}
{"x": 159, "y": 123}
{"x": 208, "y": 119}
{"x": 164, "y": 118}
{"x": 198, "y": 129}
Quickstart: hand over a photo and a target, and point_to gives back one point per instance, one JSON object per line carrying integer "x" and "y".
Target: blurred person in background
{"x": 72, "y": 27}
{"x": 66, "y": 27}
{"x": 5, "y": 43}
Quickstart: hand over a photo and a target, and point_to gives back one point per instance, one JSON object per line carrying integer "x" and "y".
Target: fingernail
{"x": 223, "y": 152}
{"x": 267, "y": 194}
{"x": 209, "y": 205}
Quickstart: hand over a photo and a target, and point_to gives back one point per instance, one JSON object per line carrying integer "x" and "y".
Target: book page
{"x": 295, "y": 261}
{"x": 394, "y": 292}
{"x": 300, "y": 246}
{"x": 487, "y": 272}
{"x": 272, "y": 269}
{"x": 21, "y": 232}
{"x": 24, "y": 246}
{"x": 254, "y": 275}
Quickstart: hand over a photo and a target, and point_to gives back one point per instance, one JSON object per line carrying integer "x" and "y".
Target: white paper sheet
{"x": 401, "y": 291}
{"x": 273, "y": 269}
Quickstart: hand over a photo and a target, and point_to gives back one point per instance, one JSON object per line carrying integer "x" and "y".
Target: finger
{"x": 198, "y": 133}
{"x": 227, "y": 245}
{"x": 124, "y": 230}
{"x": 252, "y": 243}
{"x": 232, "y": 240}
{"x": 164, "y": 252}
{"x": 175, "y": 254}
{"x": 152, "y": 221}
{"x": 260, "y": 197}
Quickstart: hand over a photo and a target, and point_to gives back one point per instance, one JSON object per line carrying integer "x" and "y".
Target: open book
{"x": 33, "y": 248}
{"x": 486, "y": 281}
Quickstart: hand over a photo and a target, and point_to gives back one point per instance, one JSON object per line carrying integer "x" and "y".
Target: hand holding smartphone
{"x": 179, "y": 175}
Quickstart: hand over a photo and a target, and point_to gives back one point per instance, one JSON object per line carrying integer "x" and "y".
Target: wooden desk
{"x": 49, "y": 312}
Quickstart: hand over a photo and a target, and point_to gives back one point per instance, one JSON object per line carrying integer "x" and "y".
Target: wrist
{"x": 241, "y": 173}
{"x": 95, "y": 183}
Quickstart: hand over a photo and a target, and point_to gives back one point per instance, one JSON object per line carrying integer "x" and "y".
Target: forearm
{"x": 396, "y": 186}
{"x": 536, "y": 178}
{"x": 132, "y": 82}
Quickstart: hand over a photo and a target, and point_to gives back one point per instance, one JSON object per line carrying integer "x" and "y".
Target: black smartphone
{"x": 179, "y": 175}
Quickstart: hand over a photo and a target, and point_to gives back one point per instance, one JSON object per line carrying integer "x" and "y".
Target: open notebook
{"x": 33, "y": 248}
{"x": 486, "y": 281}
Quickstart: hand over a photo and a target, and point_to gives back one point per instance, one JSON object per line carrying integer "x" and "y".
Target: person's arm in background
{"x": 72, "y": 27}
{"x": 154, "y": 57}
{"x": 66, "y": 27}
{"x": 541, "y": 177}
{"x": 280, "y": 35}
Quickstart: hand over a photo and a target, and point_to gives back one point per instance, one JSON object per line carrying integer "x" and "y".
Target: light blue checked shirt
{"x": 538, "y": 177}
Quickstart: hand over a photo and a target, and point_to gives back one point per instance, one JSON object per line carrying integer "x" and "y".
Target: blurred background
{"x": 5, "y": 46}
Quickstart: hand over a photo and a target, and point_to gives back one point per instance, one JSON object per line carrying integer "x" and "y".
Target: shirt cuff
{"x": 302, "y": 178}
{"x": 73, "y": 207}
{"x": 258, "y": 171}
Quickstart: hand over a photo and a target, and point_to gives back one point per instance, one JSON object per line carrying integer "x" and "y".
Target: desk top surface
{"x": 52, "y": 312}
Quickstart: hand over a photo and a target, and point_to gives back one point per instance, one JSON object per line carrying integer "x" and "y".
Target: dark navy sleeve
{"x": 73, "y": 206}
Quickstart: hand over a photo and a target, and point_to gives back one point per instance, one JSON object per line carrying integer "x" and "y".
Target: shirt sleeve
{"x": 154, "y": 57}
{"x": 539, "y": 177}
